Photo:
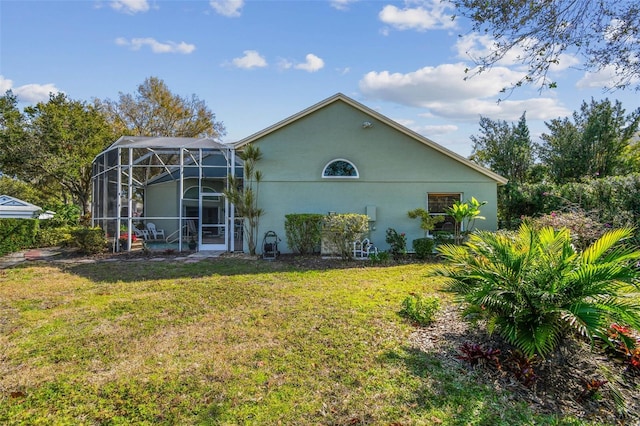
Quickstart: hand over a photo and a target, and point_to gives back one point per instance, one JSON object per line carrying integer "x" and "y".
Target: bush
{"x": 583, "y": 229}
{"x": 90, "y": 240}
{"x": 397, "y": 243}
{"x": 341, "y": 230}
{"x": 17, "y": 234}
{"x": 443, "y": 237}
{"x": 50, "y": 237}
{"x": 423, "y": 247}
{"x": 421, "y": 309}
{"x": 303, "y": 232}
{"x": 534, "y": 286}
{"x": 379, "y": 258}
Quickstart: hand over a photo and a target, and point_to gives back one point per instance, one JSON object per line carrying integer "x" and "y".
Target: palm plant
{"x": 534, "y": 287}
{"x": 465, "y": 215}
{"x": 243, "y": 194}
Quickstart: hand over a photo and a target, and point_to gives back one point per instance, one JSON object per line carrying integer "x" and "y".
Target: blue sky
{"x": 256, "y": 62}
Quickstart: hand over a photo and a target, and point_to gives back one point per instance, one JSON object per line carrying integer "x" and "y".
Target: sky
{"x": 256, "y": 62}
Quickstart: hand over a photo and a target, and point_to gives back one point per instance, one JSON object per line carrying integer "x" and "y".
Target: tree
{"x": 604, "y": 33}
{"x": 56, "y": 146}
{"x": 506, "y": 149}
{"x": 244, "y": 195}
{"x": 533, "y": 286}
{"x": 154, "y": 111}
{"x": 592, "y": 144}
{"x": 12, "y": 131}
{"x": 427, "y": 221}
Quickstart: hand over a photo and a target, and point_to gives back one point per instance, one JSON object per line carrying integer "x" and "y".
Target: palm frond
{"x": 603, "y": 244}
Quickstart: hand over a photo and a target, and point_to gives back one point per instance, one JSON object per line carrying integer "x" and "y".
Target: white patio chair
{"x": 155, "y": 231}
{"x": 362, "y": 249}
{"x": 141, "y": 233}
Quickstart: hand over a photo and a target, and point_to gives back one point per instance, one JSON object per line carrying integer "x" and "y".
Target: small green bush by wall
{"x": 423, "y": 247}
{"x": 339, "y": 231}
{"x": 303, "y": 231}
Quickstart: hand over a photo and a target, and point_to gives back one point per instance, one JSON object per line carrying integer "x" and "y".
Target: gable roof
{"x": 11, "y": 207}
{"x": 357, "y": 105}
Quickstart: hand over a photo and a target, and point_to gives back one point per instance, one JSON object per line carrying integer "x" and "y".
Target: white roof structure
{"x": 15, "y": 208}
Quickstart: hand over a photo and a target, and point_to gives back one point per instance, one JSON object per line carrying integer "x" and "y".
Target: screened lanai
{"x": 168, "y": 192}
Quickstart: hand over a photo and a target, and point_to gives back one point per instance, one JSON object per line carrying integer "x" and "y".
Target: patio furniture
{"x": 140, "y": 233}
{"x": 362, "y": 249}
{"x": 155, "y": 232}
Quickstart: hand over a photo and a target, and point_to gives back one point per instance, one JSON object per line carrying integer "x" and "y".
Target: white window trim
{"x": 324, "y": 169}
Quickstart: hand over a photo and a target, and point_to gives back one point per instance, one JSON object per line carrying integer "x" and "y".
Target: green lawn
{"x": 227, "y": 342}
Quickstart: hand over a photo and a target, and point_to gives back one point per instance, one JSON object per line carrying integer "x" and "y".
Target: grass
{"x": 227, "y": 342}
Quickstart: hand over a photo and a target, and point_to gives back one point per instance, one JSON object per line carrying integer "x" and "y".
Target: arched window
{"x": 340, "y": 168}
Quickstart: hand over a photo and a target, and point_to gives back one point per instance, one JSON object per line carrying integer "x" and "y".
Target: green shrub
{"x": 90, "y": 240}
{"x": 533, "y": 286}
{"x": 583, "y": 229}
{"x": 65, "y": 215}
{"x": 423, "y": 247}
{"x": 443, "y": 237}
{"x": 50, "y": 237}
{"x": 379, "y": 258}
{"x": 17, "y": 234}
{"x": 397, "y": 243}
{"x": 303, "y": 232}
{"x": 421, "y": 309}
{"x": 341, "y": 230}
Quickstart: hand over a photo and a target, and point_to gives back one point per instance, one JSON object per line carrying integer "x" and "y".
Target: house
{"x": 341, "y": 156}
{"x": 11, "y": 207}
{"x": 335, "y": 156}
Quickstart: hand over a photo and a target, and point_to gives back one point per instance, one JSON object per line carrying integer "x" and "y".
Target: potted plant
{"x": 193, "y": 245}
{"x": 424, "y": 246}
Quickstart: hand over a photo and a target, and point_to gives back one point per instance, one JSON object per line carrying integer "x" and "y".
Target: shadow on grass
{"x": 118, "y": 268}
{"x": 451, "y": 395}
{"x": 142, "y": 268}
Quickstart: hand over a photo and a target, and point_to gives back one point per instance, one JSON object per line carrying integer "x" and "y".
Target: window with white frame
{"x": 437, "y": 205}
{"x": 340, "y": 168}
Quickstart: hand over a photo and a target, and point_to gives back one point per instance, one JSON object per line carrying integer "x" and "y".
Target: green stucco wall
{"x": 396, "y": 173}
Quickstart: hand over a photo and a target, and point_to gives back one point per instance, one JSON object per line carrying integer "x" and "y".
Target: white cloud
{"x": 228, "y": 8}
{"x": 341, "y": 4}
{"x": 28, "y": 93}
{"x": 436, "y": 130}
{"x": 444, "y": 81}
{"x": 443, "y": 92}
{"x": 602, "y": 79}
{"x": 251, "y": 59}
{"x": 429, "y": 131}
{"x": 312, "y": 64}
{"x": 474, "y": 46}
{"x": 5, "y": 84}
{"x": 509, "y": 110}
{"x": 156, "y": 46}
{"x": 130, "y": 6}
{"x": 429, "y": 15}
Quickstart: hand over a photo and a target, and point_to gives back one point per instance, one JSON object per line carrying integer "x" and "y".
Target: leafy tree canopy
{"x": 592, "y": 143}
{"x": 604, "y": 33}
{"x": 51, "y": 145}
{"x": 154, "y": 111}
{"x": 506, "y": 149}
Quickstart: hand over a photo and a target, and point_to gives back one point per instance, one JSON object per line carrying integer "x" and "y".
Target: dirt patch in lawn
{"x": 561, "y": 383}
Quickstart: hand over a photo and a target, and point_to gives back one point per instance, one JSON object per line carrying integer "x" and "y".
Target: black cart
{"x": 270, "y": 246}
